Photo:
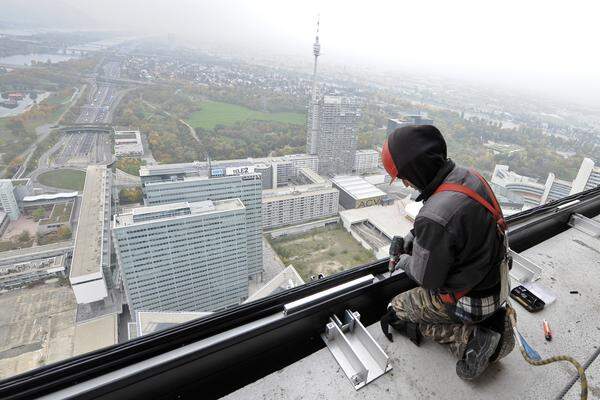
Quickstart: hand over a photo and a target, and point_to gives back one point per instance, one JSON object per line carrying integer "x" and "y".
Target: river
{"x": 26, "y": 59}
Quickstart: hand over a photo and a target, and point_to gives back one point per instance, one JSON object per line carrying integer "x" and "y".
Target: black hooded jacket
{"x": 456, "y": 245}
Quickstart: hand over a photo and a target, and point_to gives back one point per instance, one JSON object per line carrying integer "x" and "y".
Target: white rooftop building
{"x": 355, "y": 192}
{"x": 128, "y": 143}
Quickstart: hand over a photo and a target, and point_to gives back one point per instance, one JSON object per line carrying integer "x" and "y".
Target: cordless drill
{"x": 396, "y": 249}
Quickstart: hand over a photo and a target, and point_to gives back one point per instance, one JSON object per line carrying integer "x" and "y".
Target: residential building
{"x": 187, "y": 256}
{"x": 247, "y": 187}
{"x": 8, "y": 202}
{"x": 337, "y": 130}
{"x": 355, "y": 192}
{"x": 395, "y": 123}
{"x": 587, "y": 177}
{"x": 90, "y": 274}
{"x": 275, "y": 171}
{"x": 296, "y": 205}
{"x": 366, "y": 161}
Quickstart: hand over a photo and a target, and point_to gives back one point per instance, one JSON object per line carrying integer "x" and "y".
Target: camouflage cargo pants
{"x": 418, "y": 306}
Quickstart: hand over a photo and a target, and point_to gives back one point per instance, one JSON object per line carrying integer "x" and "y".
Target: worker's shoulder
{"x": 442, "y": 207}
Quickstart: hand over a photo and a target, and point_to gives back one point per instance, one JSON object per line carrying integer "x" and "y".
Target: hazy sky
{"x": 545, "y": 45}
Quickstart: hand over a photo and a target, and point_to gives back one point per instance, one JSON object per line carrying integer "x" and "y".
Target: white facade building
{"x": 587, "y": 177}
{"x": 275, "y": 171}
{"x": 246, "y": 187}
{"x": 183, "y": 256}
{"x": 366, "y": 161}
{"x": 296, "y": 205}
{"x": 8, "y": 200}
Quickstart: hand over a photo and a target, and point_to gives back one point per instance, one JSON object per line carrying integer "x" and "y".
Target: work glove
{"x": 408, "y": 243}
{"x": 402, "y": 263}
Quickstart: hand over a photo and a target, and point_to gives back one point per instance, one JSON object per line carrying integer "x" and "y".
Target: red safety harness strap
{"x": 493, "y": 208}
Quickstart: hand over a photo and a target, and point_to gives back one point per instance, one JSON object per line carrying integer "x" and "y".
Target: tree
{"x": 24, "y": 237}
{"x": 130, "y": 195}
{"x": 38, "y": 214}
{"x": 64, "y": 232}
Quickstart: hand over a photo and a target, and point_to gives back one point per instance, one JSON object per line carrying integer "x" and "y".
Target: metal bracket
{"x": 523, "y": 269}
{"x": 585, "y": 225}
{"x": 355, "y": 350}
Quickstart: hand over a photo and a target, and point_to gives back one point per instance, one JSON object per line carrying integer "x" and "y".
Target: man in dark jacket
{"x": 456, "y": 253}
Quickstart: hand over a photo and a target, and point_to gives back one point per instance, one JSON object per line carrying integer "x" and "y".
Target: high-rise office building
{"x": 331, "y": 127}
{"x": 587, "y": 177}
{"x": 338, "y": 118}
{"x": 8, "y": 200}
{"x": 247, "y": 187}
{"x": 183, "y": 256}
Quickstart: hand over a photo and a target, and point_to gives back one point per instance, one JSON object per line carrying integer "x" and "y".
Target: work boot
{"x": 481, "y": 346}
{"x": 507, "y": 340}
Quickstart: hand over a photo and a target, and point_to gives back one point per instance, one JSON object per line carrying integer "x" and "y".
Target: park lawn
{"x": 321, "y": 251}
{"x": 69, "y": 179}
{"x": 213, "y": 113}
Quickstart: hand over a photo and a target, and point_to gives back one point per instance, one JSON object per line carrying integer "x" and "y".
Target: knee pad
{"x": 406, "y": 328}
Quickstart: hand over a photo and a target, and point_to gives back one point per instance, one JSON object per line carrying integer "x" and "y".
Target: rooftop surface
{"x": 60, "y": 213}
{"x": 152, "y": 321}
{"x": 159, "y": 169}
{"x": 391, "y": 220}
{"x": 88, "y": 241}
{"x": 286, "y": 279}
{"x": 356, "y": 187}
{"x": 570, "y": 262}
{"x": 95, "y": 334}
{"x": 290, "y": 192}
{"x": 37, "y": 326}
{"x": 182, "y": 209}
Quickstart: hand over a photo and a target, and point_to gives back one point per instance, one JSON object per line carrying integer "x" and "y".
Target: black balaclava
{"x": 419, "y": 152}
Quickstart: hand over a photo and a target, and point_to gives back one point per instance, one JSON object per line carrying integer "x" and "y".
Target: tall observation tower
{"x": 312, "y": 123}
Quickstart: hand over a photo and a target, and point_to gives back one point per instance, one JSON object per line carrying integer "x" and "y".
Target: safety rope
{"x": 537, "y": 360}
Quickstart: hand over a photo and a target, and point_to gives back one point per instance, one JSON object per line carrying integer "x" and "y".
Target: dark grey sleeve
{"x": 433, "y": 254}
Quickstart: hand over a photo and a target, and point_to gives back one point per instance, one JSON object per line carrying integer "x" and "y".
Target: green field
{"x": 215, "y": 113}
{"x": 324, "y": 250}
{"x": 69, "y": 179}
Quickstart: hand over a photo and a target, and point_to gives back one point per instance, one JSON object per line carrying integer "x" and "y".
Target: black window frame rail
{"x": 230, "y": 364}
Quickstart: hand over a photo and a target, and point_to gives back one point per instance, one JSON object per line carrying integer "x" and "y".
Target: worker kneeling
{"x": 456, "y": 253}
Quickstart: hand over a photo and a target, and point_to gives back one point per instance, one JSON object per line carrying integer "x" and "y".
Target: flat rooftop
{"x": 291, "y": 192}
{"x": 95, "y": 334}
{"x": 428, "y": 371}
{"x": 181, "y": 168}
{"x": 152, "y": 321}
{"x": 88, "y": 240}
{"x": 357, "y": 187}
{"x": 146, "y": 214}
{"x": 391, "y": 220}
